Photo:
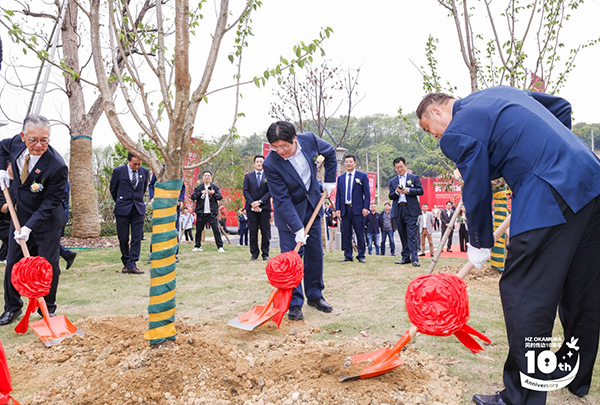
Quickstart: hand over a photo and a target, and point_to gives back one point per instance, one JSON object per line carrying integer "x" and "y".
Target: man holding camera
{"x": 207, "y": 196}
{"x": 404, "y": 191}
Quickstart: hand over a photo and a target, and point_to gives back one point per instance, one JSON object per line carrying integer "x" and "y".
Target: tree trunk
{"x": 84, "y": 200}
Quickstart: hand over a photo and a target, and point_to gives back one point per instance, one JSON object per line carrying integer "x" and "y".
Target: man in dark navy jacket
{"x": 38, "y": 188}
{"x": 554, "y": 251}
{"x": 128, "y": 185}
{"x": 291, "y": 170}
{"x": 258, "y": 209}
{"x": 352, "y": 200}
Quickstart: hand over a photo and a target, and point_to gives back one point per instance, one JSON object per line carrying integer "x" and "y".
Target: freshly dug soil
{"x": 217, "y": 365}
{"x": 99, "y": 242}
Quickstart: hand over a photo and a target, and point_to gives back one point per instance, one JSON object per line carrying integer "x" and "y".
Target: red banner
{"x": 266, "y": 149}
{"x": 372, "y": 185}
{"x": 537, "y": 84}
{"x": 437, "y": 191}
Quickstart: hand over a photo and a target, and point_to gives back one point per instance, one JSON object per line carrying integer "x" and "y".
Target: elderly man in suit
{"x": 38, "y": 188}
{"x": 554, "y": 251}
{"x": 207, "y": 196}
{"x": 291, "y": 170}
{"x": 352, "y": 201}
{"x": 128, "y": 185}
{"x": 258, "y": 208}
{"x": 404, "y": 191}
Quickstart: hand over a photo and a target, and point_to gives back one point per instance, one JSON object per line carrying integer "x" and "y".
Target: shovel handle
{"x": 15, "y": 219}
{"x": 312, "y": 219}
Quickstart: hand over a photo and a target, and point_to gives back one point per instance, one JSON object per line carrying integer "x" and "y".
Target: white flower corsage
{"x": 408, "y": 182}
{"x": 36, "y": 187}
{"x": 358, "y": 181}
{"x": 318, "y": 159}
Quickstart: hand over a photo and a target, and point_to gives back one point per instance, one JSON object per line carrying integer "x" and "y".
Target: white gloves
{"x": 4, "y": 179}
{"x": 23, "y": 235}
{"x": 329, "y": 187}
{"x": 477, "y": 256}
{"x": 301, "y": 237}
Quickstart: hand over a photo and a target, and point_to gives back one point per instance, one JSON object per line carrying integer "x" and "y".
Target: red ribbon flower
{"x": 285, "y": 271}
{"x": 31, "y": 277}
{"x": 438, "y": 304}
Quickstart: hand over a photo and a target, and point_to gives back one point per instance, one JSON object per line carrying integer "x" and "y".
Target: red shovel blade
{"x": 258, "y": 315}
{"x": 54, "y": 331}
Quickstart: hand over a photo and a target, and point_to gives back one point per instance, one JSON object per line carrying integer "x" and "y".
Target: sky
{"x": 381, "y": 37}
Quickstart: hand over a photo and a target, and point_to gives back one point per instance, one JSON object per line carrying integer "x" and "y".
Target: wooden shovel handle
{"x": 312, "y": 219}
{"x": 13, "y": 216}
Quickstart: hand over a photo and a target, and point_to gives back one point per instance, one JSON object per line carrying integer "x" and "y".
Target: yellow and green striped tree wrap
{"x": 162, "y": 272}
{"x": 500, "y": 214}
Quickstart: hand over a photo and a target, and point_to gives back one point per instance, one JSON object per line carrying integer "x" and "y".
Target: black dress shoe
{"x": 416, "y": 264}
{"x": 361, "y": 260}
{"x": 449, "y": 250}
{"x": 346, "y": 260}
{"x": 7, "y": 317}
{"x": 132, "y": 270}
{"x": 495, "y": 399}
{"x": 403, "y": 261}
{"x": 71, "y": 259}
{"x": 253, "y": 258}
{"x": 421, "y": 254}
{"x": 265, "y": 257}
{"x": 320, "y": 304}
{"x": 295, "y": 313}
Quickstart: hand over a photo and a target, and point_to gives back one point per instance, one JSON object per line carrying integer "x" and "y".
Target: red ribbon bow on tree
{"x": 438, "y": 304}
{"x": 285, "y": 271}
{"x": 32, "y": 277}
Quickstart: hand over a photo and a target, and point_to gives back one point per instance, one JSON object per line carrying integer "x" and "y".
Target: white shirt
{"x": 206, "y": 200}
{"x": 32, "y": 161}
{"x": 351, "y": 175}
{"x": 402, "y": 182}
{"x": 130, "y": 172}
{"x": 298, "y": 160}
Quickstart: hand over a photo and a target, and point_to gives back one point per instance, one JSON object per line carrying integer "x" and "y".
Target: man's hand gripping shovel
{"x": 32, "y": 277}
{"x": 285, "y": 271}
{"x": 387, "y": 359}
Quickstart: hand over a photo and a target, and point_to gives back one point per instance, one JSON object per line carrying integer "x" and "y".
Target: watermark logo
{"x": 547, "y": 362}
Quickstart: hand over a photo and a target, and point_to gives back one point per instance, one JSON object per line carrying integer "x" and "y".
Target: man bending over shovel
{"x": 38, "y": 188}
{"x": 291, "y": 173}
{"x": 553, "y": 259}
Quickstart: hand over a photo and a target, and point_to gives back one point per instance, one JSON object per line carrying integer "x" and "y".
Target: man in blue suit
{"x": 554, "y": 251}
{"x": 38, "y": 189}
{"x": 128, "y": 185}
{"x": 404, "y": 191}
{"x": 291, "y": 171}
{"x": 352, "y": 201}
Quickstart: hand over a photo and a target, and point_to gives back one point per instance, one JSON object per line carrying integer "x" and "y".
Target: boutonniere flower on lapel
{"x": 36, "y": 187}
{"x": 318, "y": 160}
{"x": 264, "y": 180}
{"x": 37, "y": 171}
{"x": 409, "y": 182}
{"x": 358, "y": 181}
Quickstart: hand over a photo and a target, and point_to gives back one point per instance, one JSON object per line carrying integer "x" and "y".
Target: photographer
{"x": 206, "y": 196}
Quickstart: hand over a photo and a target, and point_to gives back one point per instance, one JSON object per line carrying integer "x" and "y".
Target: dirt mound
{"x": 213, "y": 364}
{"x": 486, "y": 278}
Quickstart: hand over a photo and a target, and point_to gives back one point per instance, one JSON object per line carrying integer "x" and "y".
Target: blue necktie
{"x": 258, "y": 178}
{"x": 134, "y": 178}
{"x": 348, "y": 188}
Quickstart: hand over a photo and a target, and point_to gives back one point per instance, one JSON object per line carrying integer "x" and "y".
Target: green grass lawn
{"x": 214, "y": 287}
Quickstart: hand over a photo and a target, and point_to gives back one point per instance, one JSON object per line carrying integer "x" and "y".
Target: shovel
{"x": 261, "y": 314}
{"x": 51, "y": 330}
{"x": 386, "y": 359}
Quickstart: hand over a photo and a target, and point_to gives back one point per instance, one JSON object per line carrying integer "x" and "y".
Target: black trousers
{"x": 259, "y": 220}
{"x": 187, "y": 234}
{"x": 409, "y": 234}
{"x": 130, "y": 252}
{"x": 4, "y": 238}
{"x": 44, "y": 244}
{"x": 547, "y": 268}
{"x": 444, "y": 226}
{"x": 201, "y": 221}
{"x": 463, "y": 237}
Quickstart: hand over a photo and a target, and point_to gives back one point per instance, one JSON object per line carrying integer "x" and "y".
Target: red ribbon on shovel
{"x": 32, "y": 278}
{"x": 5, "y": 381}
{"x": 438, "y": 304}
{"x": 285, "y": 271}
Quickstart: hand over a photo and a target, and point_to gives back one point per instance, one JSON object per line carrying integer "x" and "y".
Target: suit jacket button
{"x": 306, "y": 195}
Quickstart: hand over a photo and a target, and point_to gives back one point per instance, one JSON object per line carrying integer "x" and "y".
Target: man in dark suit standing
{"x": 127, "y": 186}
{"x": 291, "y": 170}
{"x": 38, "y": 188}
{"x": 258, "y": 208}
{"x": 243, "y": 226}
{"x": 554, "y": 251}
{"x": 445, "y": 217}
{"x": 207, "y": 196}
{"x": 404, "y": 191}
{"x": 352, "y": 201}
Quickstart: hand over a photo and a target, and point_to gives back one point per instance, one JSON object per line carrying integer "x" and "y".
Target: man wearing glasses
{"x": 38, "y": 189}
{"x": 291, "y": 173}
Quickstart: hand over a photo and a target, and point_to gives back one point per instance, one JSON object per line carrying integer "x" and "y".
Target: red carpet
{"x": 456, "y": 253}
